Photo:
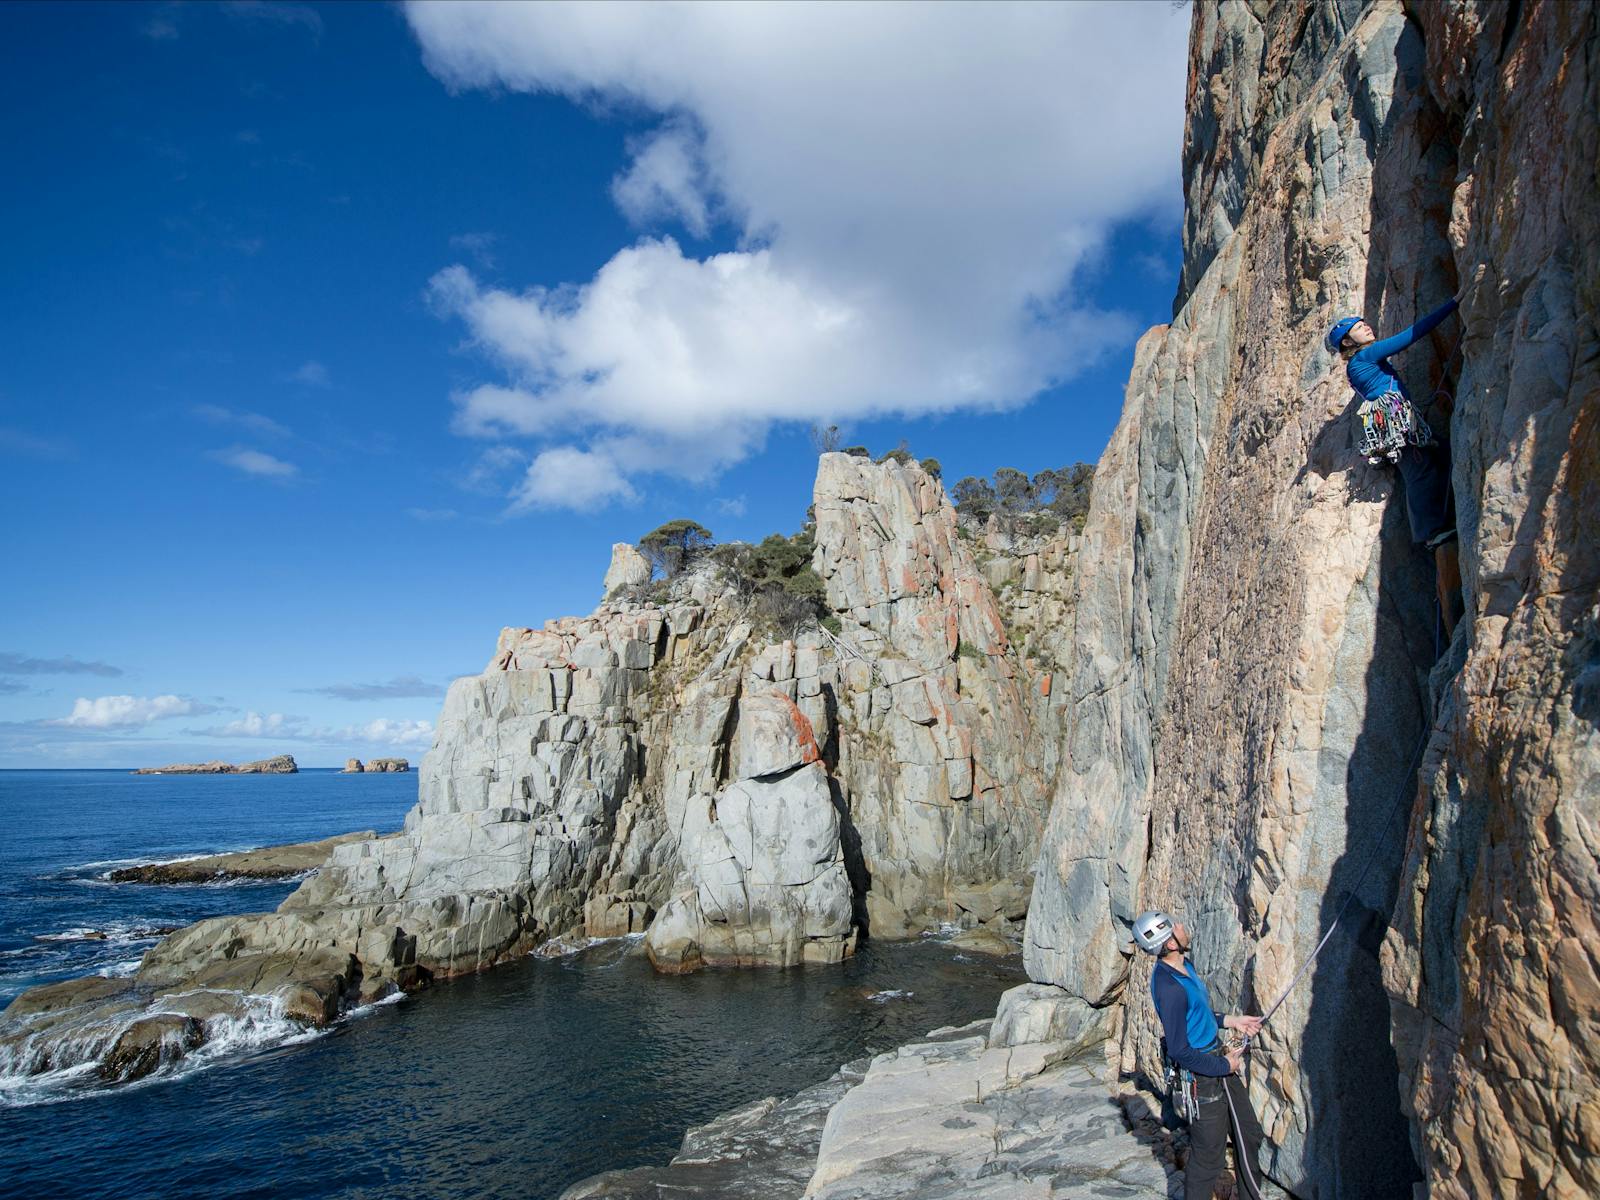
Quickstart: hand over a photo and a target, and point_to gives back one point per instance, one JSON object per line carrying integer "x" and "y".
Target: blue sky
{"x": 339, "y": 337}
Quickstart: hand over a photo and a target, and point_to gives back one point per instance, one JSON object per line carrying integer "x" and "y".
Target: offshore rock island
{"x": 1226, "y": 696}
{"x": 278, "y": 764}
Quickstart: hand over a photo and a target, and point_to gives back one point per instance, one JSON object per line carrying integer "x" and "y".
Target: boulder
{"x": 628, "y": 569}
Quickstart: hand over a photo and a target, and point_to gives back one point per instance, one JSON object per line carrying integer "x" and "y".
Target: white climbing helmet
{"x": 1152, "y": 929}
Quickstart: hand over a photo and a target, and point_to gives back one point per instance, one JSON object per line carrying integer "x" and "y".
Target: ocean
{"x": 515, "y": 1082}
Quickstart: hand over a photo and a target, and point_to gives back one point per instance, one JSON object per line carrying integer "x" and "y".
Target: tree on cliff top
{"x": 672, "y": 547}
{"x": 1036, "y": 505}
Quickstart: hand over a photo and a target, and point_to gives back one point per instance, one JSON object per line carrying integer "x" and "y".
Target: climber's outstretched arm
{"x": 1403, "y": 339}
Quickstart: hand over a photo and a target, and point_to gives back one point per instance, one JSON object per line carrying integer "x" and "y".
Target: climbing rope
{"x": 1241, "y": 1155}
{"x": 1372, "y": 857}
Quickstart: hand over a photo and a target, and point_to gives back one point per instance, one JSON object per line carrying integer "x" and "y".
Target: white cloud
{"x": 256, "y": 725}
{"x": 730, "y": 506}
{"x": 383, "y": 732}
{"x": 312, "y": 374}
{"x": 913, "y": 187}
{"x": 122, "y": 712}
{"x": 255, "y": 462}
{"x": 215, "y": 414}
{"x": 487, "y": 476}
{"x": 566, "y": 477}
{"x": 665, "y": 180}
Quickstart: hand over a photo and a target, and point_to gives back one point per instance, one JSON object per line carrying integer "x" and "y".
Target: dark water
{"x": 512, "y": 1083}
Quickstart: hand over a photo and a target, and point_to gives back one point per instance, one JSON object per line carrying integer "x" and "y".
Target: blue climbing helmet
{"x": 1341, "y": 327}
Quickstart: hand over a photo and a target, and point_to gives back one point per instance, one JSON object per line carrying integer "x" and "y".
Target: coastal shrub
{"x": 671, "y": 547}
{"x": 900, "y": 454}
{"x": 775, "y": 576}
{"x": 1028, "y": 506}
{"x": 974, "y": 497}
{"x": 932, "y": 467}
{"x": 857, "y": 452}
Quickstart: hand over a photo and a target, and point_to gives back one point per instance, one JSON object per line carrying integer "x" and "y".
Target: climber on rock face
{"x": 1210, "y": 1079}
{"x": 1393, "y": 430}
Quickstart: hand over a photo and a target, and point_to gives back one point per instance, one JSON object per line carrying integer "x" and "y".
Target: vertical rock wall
{"x": 1493, "y": 959}
{"x": 1249, "y": 694}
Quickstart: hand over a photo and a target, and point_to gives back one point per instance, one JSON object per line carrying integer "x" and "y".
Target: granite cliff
{"x": 1265, "y": 730}
{"x": 677, "y": 765}
{"x": 1254, "y": 684}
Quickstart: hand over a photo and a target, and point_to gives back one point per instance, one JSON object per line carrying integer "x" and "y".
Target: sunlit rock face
{"x": 1252, "y": 685}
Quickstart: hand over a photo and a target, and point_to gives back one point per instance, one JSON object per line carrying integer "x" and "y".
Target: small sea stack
{"x": 354, "y": 766}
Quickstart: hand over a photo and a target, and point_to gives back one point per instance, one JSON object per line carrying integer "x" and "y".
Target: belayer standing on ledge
{"x": 1207, "y": 1087}
{"x": 1392, "y": 429}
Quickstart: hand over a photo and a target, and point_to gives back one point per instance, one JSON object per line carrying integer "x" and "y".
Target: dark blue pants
{"x": 1430, "y": 504}
{"x": 1209, "y": 1134}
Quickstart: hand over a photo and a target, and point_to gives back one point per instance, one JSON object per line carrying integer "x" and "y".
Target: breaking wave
{"x": 44, "y": 1069}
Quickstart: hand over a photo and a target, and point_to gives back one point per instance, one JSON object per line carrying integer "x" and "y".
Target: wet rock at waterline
{"x": 269, "y": 862}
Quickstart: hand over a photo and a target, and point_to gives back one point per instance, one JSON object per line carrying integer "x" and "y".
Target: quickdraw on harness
{"x": 1181, "y": 1087}
{"x": 1390, "y": 423}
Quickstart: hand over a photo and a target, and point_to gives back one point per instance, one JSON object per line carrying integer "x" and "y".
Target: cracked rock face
{"x": 1252, "y": 678}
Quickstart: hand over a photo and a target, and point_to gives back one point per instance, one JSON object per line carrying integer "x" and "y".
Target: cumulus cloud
{"x": 913, "y": 189}
{"x": 124, "y": 712}
{"x": 256, "y": 725}
{"x": 20, "y": 664}
{"x": 567, "y": 477}
{"x": 400, "y": 687}
{"x": 255, "y": 462}
{"x": 666, "y": 180}
{"x": 383, "y": 732}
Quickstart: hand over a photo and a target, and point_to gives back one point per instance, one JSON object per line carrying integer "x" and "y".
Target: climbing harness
{"x": 1390, "y": 423}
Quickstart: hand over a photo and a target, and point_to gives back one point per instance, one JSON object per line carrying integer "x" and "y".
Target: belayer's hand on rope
{"x": 1248, "y": 1026}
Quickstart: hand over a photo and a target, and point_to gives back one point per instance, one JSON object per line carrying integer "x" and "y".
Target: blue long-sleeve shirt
{"x": 1187, "y": 1018}
{"x": 1369, "y": 371}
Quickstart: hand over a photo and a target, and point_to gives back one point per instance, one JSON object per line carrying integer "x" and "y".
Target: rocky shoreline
{"x": 1002, "y": 1108}
{"x": 268, "y": 862}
